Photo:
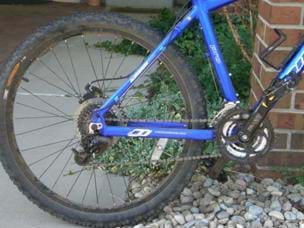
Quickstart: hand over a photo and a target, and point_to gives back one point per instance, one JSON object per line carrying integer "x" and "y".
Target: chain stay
{"x": 156, "y": 162}
{"x": 153, "y": 162}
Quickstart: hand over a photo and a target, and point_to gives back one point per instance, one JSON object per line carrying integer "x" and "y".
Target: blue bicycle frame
{"x": 200, "y": 11}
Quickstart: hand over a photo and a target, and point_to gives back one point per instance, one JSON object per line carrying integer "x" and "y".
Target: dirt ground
{"x": 18, "y": 21}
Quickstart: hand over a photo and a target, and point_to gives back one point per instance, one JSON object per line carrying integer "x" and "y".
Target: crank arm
{"x": 271, "y": 96}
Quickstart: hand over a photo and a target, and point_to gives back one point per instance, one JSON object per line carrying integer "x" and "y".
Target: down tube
{"x": 218, "y": 62}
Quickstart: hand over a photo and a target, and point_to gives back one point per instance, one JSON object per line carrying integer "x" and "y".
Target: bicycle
{"x": 99, "y": 156}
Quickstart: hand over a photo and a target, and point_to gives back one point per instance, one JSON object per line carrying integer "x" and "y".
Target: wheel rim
{"x": 139, "y": 105}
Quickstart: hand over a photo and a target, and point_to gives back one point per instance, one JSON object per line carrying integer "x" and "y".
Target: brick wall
{"x": 288, "y": 115}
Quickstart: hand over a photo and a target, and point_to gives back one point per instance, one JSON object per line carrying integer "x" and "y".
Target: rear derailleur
{"x": 88, "y": 150}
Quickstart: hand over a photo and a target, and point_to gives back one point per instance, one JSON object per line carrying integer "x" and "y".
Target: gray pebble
{"x": 186, "y": 199}
{"x": 256, "y": 224}
{"x": 295, "y": 197}
{"x": 197, "y": 195}
{"x": 289, "y": 216}
{"x": 139, "y": 226}
{"x": 287, "y": 206}
{"x": 241, "y": 184}
{"x": 267, "y": 181}
{"x": 272, "y": 189}
{"x": 255, "y": 210}
{"x": 249, "y": 217}
{"x": 168, "y": 209}
{"x": 213, "y": 191}
{"x": 234, "y": 194}
{"x": 189, "y": 217}
{"x": 268, "y": 224}
{"x": 276, "y": 215}
{"x": 276, "y": 206}
{"x": 208, "y": 183}
{"x": 180, "y": 219}
{"x": 194, "y": 210}
{"x": 189, "y": 224}
{"x": 187, "y": 192}
{"x": 222, "y": 215}
{"x": 238, "y": 220}
{"x": 199, "y": 216}
{"x": 249, "y": 191}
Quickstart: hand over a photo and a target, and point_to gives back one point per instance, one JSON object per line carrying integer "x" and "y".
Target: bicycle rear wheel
{"x": 42, "y": 86}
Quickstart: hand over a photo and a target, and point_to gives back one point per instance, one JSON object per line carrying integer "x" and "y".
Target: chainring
{"x": 232, "y": 147}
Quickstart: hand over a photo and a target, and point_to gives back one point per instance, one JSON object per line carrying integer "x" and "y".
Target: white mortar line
{"x": 289, "y": 150}
{"x": 293, "y": 100}
{"x": 291, "y": 111}
{"x": 254, "y": 95}
{"x": 258, "y": 80}
{"x": 286, "y": 131}
{"x": 280, "y": 26}
{"x": 283, "y": 48}
{"x": 288, "y": 143}
{"x": 284, "y": 4}
{"x": 268, "y": 69}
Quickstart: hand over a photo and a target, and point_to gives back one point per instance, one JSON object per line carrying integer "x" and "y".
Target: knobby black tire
{"x": 31, "y": 187}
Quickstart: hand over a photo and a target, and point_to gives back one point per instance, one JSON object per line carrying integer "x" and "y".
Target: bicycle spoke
{"x": 45, "y": 145}
{"x": 73, "y": 66}
{"x": 87, "y": 188}
{"x": 52, "y": 85}
{"x": 111, "y": 190}
{"x": 91, "y": 62}
{"x": 75, "y": 182}
{"x": 126, "y": 186}
{"x": 43, "y": 111}
{"x": 45, "y": 102}
{"x": 55, "y": 74}
{"x": 56, "y": 158}
{"x": 119, "y": 66}
{"x": 35, "y": 117}
{"x": 64, "y": 72}
{"x": 41, "y": 128}
{"x": 46, "y": 157}
{"x": 64, "y": 167}
{"x": 96, "y": 191}
{"x": 110, "y": 60}
{"x": 44, "y": 94}
{"x": 102, "y": 66}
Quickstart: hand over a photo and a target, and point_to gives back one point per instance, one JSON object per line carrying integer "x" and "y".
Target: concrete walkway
{"x": 18, "y": 211}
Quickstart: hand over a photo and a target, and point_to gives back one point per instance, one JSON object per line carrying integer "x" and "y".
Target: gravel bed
{"x": 240, "y": 202}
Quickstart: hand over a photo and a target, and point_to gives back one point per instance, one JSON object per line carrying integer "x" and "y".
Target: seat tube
{"x": 215, "y": 54}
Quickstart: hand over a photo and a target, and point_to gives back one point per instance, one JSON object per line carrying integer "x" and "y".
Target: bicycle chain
{"x": 156, "y": 162}
{"x": 186, "y": 121}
